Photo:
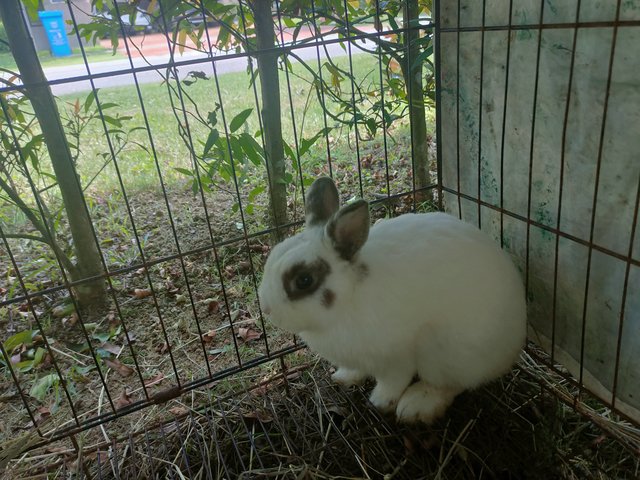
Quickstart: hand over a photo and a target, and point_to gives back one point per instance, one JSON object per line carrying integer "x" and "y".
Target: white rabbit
{"x": 426, "y": 304}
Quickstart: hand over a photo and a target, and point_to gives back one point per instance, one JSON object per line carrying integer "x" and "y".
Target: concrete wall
{"x": 487, "y": 151}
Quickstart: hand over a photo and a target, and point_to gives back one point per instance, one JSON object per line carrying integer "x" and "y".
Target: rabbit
{"x": 426, "y": 304}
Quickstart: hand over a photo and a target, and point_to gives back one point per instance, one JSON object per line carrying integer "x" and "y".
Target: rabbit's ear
{"x": 321, "y": 201}
{"x": 349, "y": 228}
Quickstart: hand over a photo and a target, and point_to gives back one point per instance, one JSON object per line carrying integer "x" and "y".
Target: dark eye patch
{"x": 304, "y": 279}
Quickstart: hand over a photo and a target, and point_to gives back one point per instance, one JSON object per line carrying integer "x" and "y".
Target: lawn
{"x": 93, "y": 53}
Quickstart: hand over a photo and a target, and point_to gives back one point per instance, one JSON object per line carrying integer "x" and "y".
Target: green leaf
{"x": 39, "y": 356}
{"x": 392, "y": 22}
{"x": 251, "y": 148}
{"x": 79, "y": 347}
{"x": 211, "y": 141}
{"x": 18, "y": 339}
{"x": 24, "y": 366}
{"x": 101, "y": 336}
{"x": 212, "y": 117}
{"x": 286, "y": 179}
{"x": 83, "y": 370}
{"x": 307, "y": 143}
{"x": 41, "y": 387}
{"x": 239, "y": 119}
{"x": 102, "y": 353}
{"x": 112, "y": 120}
{"x": 420, "y": 59}
{"x": 256, "y": 191}
{"x": 89, "y": 100}
{"x": 32, "y": 8}
{"x": 371, "y": 125}
{"x": 288, "y": 150}
{"x": 184, "y": 171}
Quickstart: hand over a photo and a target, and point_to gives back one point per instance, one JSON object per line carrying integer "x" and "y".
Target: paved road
{"x": 116, "y": 73}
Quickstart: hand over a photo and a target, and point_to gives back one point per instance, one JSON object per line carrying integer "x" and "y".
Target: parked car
{"x": 132, "y": 24}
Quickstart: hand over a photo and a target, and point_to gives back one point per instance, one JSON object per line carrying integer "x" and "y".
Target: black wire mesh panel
{"x": 182, "y": 225}
{"x": 172, "y": 169}
{"x": 536, "y": 98}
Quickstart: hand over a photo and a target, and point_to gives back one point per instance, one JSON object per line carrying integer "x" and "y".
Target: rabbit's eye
{"x": 304, "y": 278}
{"x": 304, "y": 281}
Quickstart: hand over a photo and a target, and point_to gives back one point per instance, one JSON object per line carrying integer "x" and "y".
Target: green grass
{"x": 94, "y": 54}
{"x": 237, "y": 95}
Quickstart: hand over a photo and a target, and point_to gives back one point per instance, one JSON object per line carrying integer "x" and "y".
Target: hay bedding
{"x": 303, "y": 427}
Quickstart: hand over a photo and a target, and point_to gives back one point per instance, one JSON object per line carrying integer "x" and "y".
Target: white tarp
{"x": 481, "y": 128}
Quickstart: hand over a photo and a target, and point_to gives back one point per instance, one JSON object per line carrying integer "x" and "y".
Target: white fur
{"x": 439, "y": 299}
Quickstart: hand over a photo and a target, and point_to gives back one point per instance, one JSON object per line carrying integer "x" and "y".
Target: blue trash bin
{"x": 53, "y": 24}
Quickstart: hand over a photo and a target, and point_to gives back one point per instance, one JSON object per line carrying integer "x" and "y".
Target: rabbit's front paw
{"x": 348, "y": 377}
{"x": 386, "y": 393}
{"x": 423, "y": 403}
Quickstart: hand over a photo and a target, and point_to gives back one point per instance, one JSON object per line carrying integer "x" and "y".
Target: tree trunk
{"x": 46, "y": 111}
{"x": 271, "y": 119}
{"x": 412, "y": 72}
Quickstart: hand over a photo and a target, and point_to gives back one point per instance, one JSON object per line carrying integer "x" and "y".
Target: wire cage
{"x": 526, "y": 129}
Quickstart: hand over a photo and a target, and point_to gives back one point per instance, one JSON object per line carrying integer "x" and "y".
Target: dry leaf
{"x": 408, "y": 444}
{"x": 111, "y": 348}
{"x": 170, "y": 286}
{"x": 248, "y": 334}
{"x": 16, "y": 358}
{"x": 99, "y": 455}
{"x": 244, "y": 266}
{"x": 154, "y": 380}
{"x": 162, "y": 348}
{"x": 430, "y": 442}
{"x": 213, "y": 306}
{"x": 141, "y": 292}
{"x": 42, "y": 414}
{"x": 209, "y": 337}
{"x": 229, "y": 271}
{"x": 118, "y": 366}
{"x": 44, "y": 411}
{"x": 69, "y": 322}
{"x": 111, "y": 318}
{"x": 124, "y": 399}
{"x": 140, "y": 271}
{"x": 57, "y": 450}
{"x": 262, "y": 417}
{"x": 178, "y": 411}
{"x": 46, "y": 361}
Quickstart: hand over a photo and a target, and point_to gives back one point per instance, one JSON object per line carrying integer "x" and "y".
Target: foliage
{"x": 26, "y": 179}
{"x": 4, "y": 43}
{"x": 373, "y": 103}
{"x": 25, "y": 350}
